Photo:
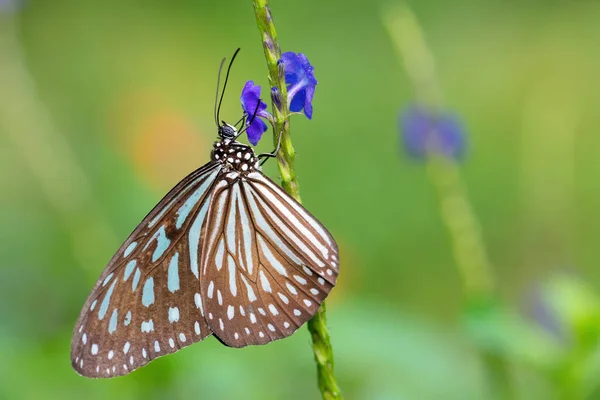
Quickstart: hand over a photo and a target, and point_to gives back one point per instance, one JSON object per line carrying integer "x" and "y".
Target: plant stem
{"x": 470, "y": 253}
{"x": 317, "y": 326}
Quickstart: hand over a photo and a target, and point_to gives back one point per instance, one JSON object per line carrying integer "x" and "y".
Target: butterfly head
{"x": 227, "y": 132}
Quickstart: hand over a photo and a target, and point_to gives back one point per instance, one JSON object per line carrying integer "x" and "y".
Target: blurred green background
{"x": 104, "y": 106}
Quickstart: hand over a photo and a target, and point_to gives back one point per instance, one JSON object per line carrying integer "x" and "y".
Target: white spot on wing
{"x": 173, "y": 314}
{"x": 147, "y": 326}
{"x": 283, "y": 298}
{"x": 291, "y": 288}
{"x": 148, "y": 292}
{"x": 300, "y": 279}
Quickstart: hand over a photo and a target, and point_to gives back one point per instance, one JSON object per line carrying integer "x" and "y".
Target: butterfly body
{"x": 235, "y": 156}
{"x": 226, "y": 252}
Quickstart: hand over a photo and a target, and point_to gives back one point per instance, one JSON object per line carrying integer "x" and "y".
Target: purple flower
{"x": 300, "y": 81}
{"x": 424, "y": 132}
{"x": 250, "y": 98}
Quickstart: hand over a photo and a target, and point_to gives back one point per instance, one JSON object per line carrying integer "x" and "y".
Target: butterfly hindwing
{"x": 147, "y": 301}
{"x": 267, "y": 264}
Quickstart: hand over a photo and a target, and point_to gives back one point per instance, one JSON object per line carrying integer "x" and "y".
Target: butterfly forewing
{"x": 267, "y": 264}
{"x": 147, "y": 302}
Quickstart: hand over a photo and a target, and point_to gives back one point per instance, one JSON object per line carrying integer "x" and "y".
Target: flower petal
{"x": 255, "y": 130}
{"x": 250, "y": 99}
{"x": 298, "y": 100}
{"x": 300, "y": 82}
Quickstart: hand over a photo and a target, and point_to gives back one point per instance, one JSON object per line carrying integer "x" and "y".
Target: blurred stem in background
{"x": 28, "y": 125}
{"x": 317, "y": 326}
{"x": 443, "y": 170}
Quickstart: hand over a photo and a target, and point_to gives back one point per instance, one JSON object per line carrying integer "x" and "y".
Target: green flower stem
{"x": 461, "y": 222}
{"x": 469, "y": 249}
{"x": 286, "y": 156}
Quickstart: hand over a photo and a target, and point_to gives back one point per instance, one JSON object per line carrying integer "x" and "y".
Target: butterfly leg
{"x": 266, "y": 156}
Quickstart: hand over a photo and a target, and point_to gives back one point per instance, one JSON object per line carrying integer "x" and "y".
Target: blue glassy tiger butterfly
{"x": 226, "y": 252}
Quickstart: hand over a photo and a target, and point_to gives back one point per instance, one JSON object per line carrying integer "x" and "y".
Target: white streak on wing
{"x": 220, "y": 254}
{"x": 231, "y": 219}
{"x": 194, "y": 236}
{"x": 184, "y": 191}
{"x": 246, "y": 241}
{"x": 298, "y": 242}
{"x": 107, "y": 279}
{"x": 299, "y": 209}
{"x": 148, "y": 292}
{"x": 270, "y": 257}
{"x": 112, "y": 326}
{"x": 162, "y": 243}
{"x": 218, "y": 215}
{"x": 266, "y": 227}
{"x": 198, "y": 301}
{"x": 190, "y": 203}
{"x": 264, "y": 282}
{"x": 165, "y": 208}
{"x": 129, "y": 249}
{"x": 285, "y": 211}
{"x": 173, "y": 274}
{"x": 211, "y": 288}
{"x": 136, "y": 279}
{"x": 251, "y": 295}
{"x": 129, "y": 269}
{"x": 105, "y": 303}
{"x": 232, "y": 280}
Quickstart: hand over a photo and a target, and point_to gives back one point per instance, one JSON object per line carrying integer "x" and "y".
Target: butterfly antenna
{"x": 218, "y": 87}
{"x": 224, "y": 84}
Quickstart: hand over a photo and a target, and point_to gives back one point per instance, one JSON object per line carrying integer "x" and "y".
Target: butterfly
{"x": 227, "y": 252}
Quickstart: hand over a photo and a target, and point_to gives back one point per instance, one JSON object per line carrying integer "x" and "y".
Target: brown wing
{"x": 147, "y": 302}
{"x": 267, "y": 263}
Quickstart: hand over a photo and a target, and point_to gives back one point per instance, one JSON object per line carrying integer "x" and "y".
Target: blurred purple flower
{"x": 250, "y": 99}
{"x": 543, "y": 312}
{"x": 423, "y": 132}
{"x": 300, "y": 81}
